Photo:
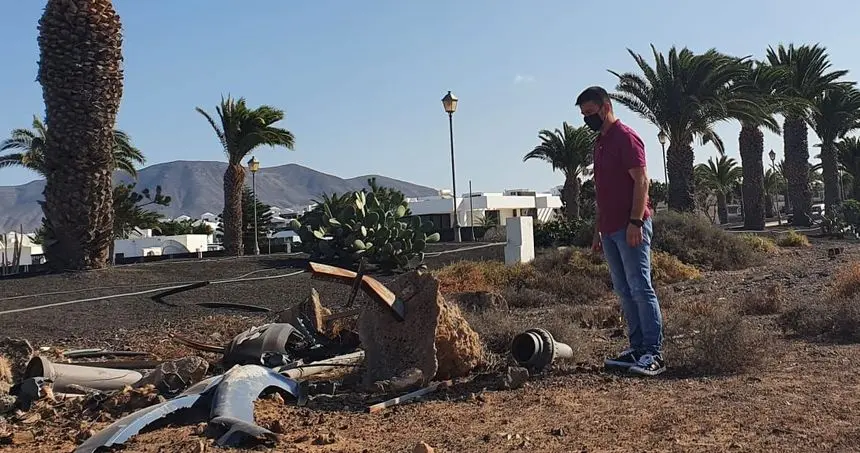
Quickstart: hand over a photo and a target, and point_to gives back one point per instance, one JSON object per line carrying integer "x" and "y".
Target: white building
{"x": 482, "y": 208}
{"x": 161, "y": 245}
{"x": 31, "y": 253}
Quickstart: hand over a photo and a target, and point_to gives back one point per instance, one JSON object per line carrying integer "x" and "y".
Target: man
{"x": 624, "y": 231}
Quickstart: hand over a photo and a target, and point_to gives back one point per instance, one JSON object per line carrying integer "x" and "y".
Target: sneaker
{"x": 624, "y": 360}
{"x": 648, "y": 365}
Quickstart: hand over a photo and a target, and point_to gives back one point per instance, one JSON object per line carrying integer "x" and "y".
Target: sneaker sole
{"x": 643, "y": 372}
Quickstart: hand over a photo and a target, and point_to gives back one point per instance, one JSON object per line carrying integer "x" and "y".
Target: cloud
{"x": 523, "y": 78}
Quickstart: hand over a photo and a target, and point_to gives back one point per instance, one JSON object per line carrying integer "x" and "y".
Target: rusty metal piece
{"x": 233, "y": 306}
{"x": 372, "y": 287}
{"x": 196, "y": 344}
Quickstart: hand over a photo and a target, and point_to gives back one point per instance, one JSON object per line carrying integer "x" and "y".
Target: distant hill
{"x": 197, "y": 187}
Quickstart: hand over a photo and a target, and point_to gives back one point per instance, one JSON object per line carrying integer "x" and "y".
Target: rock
{"x": 422, "y": 447}
{"x": 409, "y": 378}
{"x": 18, "y": 352}
{"x": 516, "y": 377}
{"x": 176, "y": 375}
{"x": 7, "y": 403}
{"x": 311, "y": 307}
{"x": 434, "y": 338}
{"x": 480, "y": 300}
{"x": 6, "y": 380}
{"x": 326, "y": 439}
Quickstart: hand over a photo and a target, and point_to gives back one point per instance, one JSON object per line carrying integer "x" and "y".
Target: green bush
{"x": 563, "y": 232}
{"x": 371, "y": 225}
{"x": 694, "y": 240}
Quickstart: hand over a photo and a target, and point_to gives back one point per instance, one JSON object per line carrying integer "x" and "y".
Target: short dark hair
{"x": 593, "y": 94}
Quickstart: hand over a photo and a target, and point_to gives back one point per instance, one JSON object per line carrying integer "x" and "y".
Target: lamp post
{"x": 772, "y": 156}
{"x": 471, "y": 212}
{"x": 449, "y": 102}
{"x": 663, "y": 138}
{"x": 254, "y": 165}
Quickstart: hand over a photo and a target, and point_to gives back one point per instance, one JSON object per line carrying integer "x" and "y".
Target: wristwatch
{"x": 638, "y": 222}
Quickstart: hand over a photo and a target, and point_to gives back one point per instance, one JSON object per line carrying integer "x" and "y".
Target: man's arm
{"x": 640, "y": 191}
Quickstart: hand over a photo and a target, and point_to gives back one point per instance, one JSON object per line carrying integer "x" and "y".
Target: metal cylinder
{"x": 63, "y": 375}
{"x": 536, "y": 348}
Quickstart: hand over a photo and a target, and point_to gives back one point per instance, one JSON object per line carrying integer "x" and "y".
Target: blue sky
{"x": 361, "y": 82}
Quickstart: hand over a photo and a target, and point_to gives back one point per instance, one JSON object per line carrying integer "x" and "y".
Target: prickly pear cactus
{"x": 365, "y": 225}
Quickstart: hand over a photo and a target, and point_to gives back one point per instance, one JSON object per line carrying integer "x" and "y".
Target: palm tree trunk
{"x": 722, "y": 209}
{"x": 234, "y": 181}
{"x": 570, "y": 196}
{"x": 856, "y": 182}
{"x": 681, "y": 183}
{"x": 81, "y": 76}
{"x": 830, "y": 174}
{"x": 797, "y": 170}
{"x": 751, "y": 144}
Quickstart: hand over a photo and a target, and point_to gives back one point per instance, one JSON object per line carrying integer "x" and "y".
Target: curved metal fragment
{"x": 233, "y": 401}
{"x": 123, "y": 429}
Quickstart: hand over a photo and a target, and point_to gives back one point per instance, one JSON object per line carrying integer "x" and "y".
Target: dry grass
{"x": 566, "y": 277}
{"x": 847, "y": 281}
{"x": 792, "y": 238}
{"x": 767, "y": 302}
{"x": 761, "y": 244}
{"x": 836, "y": 319}
{"x": 707, "y": 338}
{"x": 668, "y": 269}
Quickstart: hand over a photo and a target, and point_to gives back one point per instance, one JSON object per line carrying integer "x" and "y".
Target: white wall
{"x": 134, "y": 247}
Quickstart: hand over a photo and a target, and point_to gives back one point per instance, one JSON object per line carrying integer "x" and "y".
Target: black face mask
{"x": 594, "y": 121}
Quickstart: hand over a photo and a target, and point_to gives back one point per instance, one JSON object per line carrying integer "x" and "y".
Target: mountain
{"x": 197, "y": 187}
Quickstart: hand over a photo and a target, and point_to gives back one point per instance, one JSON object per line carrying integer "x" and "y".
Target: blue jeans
{"x": 630, "y": 268}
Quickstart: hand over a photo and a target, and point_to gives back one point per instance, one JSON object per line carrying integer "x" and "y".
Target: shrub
{"x": 836, "y": 319}
{"x": 792, "y": 238}
{"x": 463, "y": 276}
{"x": 367, "y": 225}
{"x": 704, "y": 338}
{"x": 696, "y": 241}
{"x": 761, "y": 244}
{"x": 767, "y": 302}
{"x": 563, "y": 232}
{"x": 847, "y": 282}
{"x": 668, "y": 269}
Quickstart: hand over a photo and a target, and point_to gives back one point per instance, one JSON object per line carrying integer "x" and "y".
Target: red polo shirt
{"x": 615, "y": 153}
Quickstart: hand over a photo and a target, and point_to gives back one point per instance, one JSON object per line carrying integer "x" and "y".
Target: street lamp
{"x": 663, "y": 138}
{"x": 772, "y": 156}
{"x": 254, "y": 166}
{"x": 449, "y": 102}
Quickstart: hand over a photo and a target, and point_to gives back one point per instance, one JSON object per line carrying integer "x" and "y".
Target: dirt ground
{"x": 802, "y": 398}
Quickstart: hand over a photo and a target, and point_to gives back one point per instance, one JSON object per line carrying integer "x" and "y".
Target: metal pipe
{"x": 537, "y": 348}
{"x": 471, "y": 212}
{"x": 62, "y": 375}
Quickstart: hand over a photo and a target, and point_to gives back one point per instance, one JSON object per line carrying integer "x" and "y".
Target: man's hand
{"x": 597, "y": 244}
{"x": 634, "y": 235}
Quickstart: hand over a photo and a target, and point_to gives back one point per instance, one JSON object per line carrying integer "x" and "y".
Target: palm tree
{"x": 241, "y": 130}
{"x": 761, "y": 81}
{"x": 805, "y": 78}
{"x": 720, "y": 176}
{"x": 773, "y": 186}
{"x": 30, "y": 144}
{"x": 848, "y": 153}
{"x": 685, "y": 94}
{"x": 834, "y": 113}
{"x": 570, "y": 150}
{"x": 80, "y": 70}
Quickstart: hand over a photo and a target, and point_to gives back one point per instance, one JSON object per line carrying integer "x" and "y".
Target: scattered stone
{"x": 406, "y": 380}
{"x": 480, "y": 300}
{"x": 277, "y": 398}
{"x": 558, "y": 432}
{"x": 176, "y": 375}
{"x": 434, "y": 337}
{"x": 326, "y": 439}
{"x": 422, "y": 447}
{"x": 18, "y": 351}
{"x": 515, "y": 377}
{"x": 23, "y": 437}
{"x": 278, "y": 427}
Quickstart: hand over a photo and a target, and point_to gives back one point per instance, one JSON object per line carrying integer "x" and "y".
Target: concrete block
{"x": 517, "y": 254}
{"x": 520, "y": 231}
